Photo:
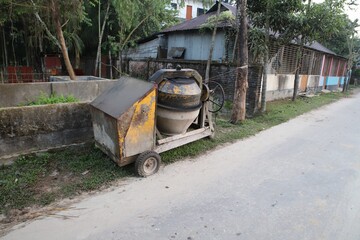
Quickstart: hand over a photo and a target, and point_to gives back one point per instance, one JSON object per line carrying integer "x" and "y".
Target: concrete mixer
{"x": 136, "y": 120}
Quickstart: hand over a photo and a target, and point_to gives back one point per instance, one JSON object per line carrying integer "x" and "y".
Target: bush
{"x": 356, "y": 73}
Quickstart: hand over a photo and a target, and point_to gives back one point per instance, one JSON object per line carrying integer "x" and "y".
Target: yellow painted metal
{"x": 123, "y": 124}
{"x": 140, "y": 136}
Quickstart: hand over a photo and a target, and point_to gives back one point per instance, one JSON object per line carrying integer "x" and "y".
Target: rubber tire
{"x": 140, "y": 163}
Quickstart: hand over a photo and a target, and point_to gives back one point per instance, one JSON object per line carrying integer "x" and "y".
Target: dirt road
{"x": 298, "y": 180}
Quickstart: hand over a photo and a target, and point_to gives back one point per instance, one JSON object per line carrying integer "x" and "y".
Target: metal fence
{"x": 23, "y": 78}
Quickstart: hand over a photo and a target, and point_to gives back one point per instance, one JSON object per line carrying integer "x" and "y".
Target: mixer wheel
{"x": 147, "y": 163}
{"x": 216, "y": 96}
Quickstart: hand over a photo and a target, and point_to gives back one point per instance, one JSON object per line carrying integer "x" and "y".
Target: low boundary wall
{"x": 25, "y": 130}
{"x": 12, "y": 95}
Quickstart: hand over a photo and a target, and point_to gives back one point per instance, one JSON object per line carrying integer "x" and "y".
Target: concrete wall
{"x": 332, "y": 83}
{"x": 30, "y": 129}
{"x": 12, "y": 95}
{"x": 279, "y": 86}
{"x": 313, "y": 84}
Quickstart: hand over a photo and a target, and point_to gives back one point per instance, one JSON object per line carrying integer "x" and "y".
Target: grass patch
{"x": 43, "y": 178}
{"x": 43, "y": 99}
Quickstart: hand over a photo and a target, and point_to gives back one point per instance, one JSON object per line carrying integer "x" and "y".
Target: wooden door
{"x": 303, "y": 83}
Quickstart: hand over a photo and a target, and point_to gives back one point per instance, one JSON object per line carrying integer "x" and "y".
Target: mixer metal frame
{"x": 203, "y": 125}
{"x": 124, "y": 121}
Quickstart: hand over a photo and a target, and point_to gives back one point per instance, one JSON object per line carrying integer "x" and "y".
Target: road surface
{"x": 298, "y": 180}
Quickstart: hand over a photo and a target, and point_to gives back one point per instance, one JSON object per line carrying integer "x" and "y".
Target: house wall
{"x": 281, "y": 86}
{"x": 197, "y": 45}
{"x": 182, "y": 11}
{"x": 318, "y": 71}
{"x": 313, "y": 85}
{"x": 332, "y": 73}
{"x": 145, "y": 50}
{"x": 332, "y": 82}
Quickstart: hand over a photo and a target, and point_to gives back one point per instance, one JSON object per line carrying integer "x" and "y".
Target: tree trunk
{"x": 350, "y": 43}
{"x": 207, "y": 70}
{"x": 110, "y": 64}
{"x": 25, "y": 36}
{"x": 264, "y": 83}
{"x": 347, "y": 80}
{"x": 13, "y": 50}
{"x": 2, "y": 51}
{"x": 241, "y": 84}
{"x": 297, "y": 71}
{"x": 299, "y": 57}
{"x": 42, "y": 23}
{"x": 101, "y": 34}
{"x": 61, "y": 39}
{"x": 266, "y": 58}
{"x": 5, "y": 51}
{"x": 120, "y": 63}
{"x": 77, "y": 58}
{"x": 40, "y": 39}
{"x": 12, "y": 44}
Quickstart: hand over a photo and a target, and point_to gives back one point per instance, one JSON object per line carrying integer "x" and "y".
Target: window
{"x": 174, "y": 6}
{"x": 200, "y": 11}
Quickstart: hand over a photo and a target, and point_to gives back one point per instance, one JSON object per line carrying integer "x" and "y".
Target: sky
{"x": 353, "y": 13}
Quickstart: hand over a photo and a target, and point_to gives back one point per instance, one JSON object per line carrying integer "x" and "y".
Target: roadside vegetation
{"x": 43, "y": 99}
{"x": 40, "y": 179}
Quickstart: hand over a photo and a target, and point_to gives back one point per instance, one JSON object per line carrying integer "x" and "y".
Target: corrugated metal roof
{"x": 195, "y": 24}
{"x": 191, "y": 24}
{"x": 224, "y": 7}
{"x": 319, "y": 47}
{"x": 315, "y": 46}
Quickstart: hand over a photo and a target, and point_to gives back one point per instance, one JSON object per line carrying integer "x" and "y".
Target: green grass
{"x": 43, "y": 99}
{"x": 31, "y": 181}
{"x": 41, "y": 179}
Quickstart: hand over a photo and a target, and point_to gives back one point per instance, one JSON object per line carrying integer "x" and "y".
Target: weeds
{"x": 52, "y": 99}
